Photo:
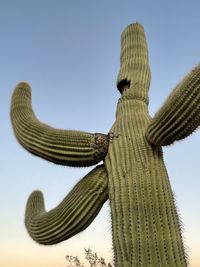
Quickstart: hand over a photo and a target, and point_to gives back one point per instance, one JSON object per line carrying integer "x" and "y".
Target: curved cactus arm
{"x": 72, "y": 215}
{"x": 180, "y": 114}
{"x": 66, "y": 147}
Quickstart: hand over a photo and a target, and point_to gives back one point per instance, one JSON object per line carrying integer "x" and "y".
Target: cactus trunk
{"x": 145, "y": 224}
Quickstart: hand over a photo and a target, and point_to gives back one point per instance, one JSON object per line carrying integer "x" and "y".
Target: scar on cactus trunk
{"x": 145, "y": 225}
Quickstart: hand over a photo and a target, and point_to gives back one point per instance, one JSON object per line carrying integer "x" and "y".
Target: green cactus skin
{"x": 145, "y": 225}
{"x": 180, "y": 114}
{"x": 72, "y": 215}
{"x": 72, "y": 148}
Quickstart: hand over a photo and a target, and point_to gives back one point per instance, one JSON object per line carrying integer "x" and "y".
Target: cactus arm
{"x": 66, "y": 147}
{"x": 72, "y": 215}
{"x": 180, "y": 114}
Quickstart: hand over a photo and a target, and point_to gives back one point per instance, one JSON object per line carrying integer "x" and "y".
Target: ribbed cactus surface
{"x": 146, "y": 228}
{"x": 180, "y": 114}
{"x": 66, "y": 147}
{"x": 145, "y": 225}
{"x": 72, "y": 215}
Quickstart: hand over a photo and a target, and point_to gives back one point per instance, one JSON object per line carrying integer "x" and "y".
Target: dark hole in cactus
{"x": 123, "y": 85}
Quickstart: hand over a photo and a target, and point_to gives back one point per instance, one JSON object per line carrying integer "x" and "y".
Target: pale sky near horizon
{"x": 69, "y": 52}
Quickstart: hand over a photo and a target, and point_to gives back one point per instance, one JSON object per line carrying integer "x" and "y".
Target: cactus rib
{"x": 66, "y": 147}
{"x": 72, "y": 215}
{"x": 180, "y": 114}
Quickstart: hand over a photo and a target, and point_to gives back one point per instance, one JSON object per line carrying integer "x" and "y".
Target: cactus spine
{"x": 145, "y": 224}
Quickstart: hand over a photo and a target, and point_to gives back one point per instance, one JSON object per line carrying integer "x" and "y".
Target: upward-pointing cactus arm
{"x": 180, "y": 114}
{"x": 72, "y": 215}
{"x": 66, "y": 147}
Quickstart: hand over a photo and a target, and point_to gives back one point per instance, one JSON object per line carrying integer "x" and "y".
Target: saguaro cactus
{"x": 145, "y": 225}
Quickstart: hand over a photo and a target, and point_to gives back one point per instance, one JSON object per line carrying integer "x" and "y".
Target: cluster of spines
{"x": 72, "y": 215}
{"x": 65, "y": 147}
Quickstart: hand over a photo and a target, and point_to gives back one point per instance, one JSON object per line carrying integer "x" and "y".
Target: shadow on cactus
{"x": 146, "y": 229}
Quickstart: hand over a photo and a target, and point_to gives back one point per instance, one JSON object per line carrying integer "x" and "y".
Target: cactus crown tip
{"x": 23, "y": 84}
{"x": 133, "y": 26}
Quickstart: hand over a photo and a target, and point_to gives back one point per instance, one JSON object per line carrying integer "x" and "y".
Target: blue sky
{"x": 69, "y": 52}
